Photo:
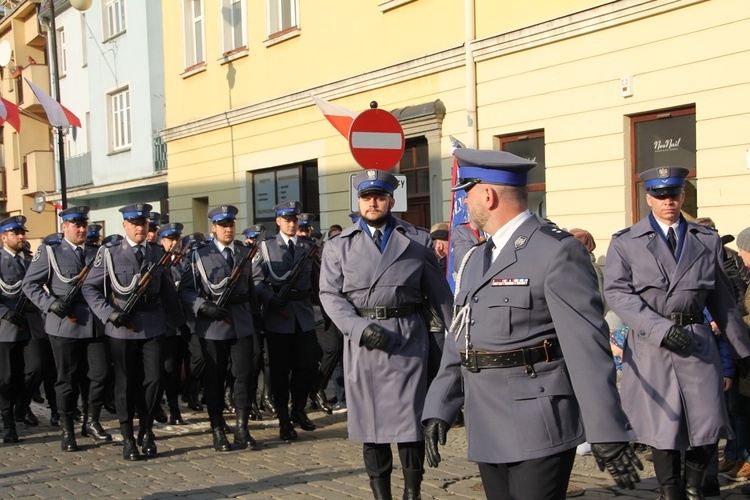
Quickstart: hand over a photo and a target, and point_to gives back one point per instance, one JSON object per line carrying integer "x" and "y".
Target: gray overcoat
{"x": 195, "y": 289}
{"x": 662, "y": 389}
{"x": 11, "y": 277}
{"x": 540, "y": 287}
{"x": 50, "y": 277}
{"x": 385, "y": 390}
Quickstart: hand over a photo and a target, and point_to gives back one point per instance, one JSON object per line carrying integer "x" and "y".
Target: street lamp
{"x": 78, "y": 5}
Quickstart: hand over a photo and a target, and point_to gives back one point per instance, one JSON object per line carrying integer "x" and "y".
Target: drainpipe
{"x": 471, "y": 75}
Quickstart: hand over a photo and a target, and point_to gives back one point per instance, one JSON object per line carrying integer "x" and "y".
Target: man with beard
{"x": 661, "y": 274}
{"x": 528, "y": 352}
{"x": 374, "y": 277}
{"x": 78, "y": 345}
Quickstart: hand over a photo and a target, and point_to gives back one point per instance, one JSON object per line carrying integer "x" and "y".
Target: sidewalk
{"x": 320, "y": 464}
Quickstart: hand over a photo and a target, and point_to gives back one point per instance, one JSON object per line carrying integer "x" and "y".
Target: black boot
{"x": 68, "y": 442}
{"x": 322, "y": 401}
{"x": 670, "y": 492}
{"x": 300, "y": 418}
{"x": 9, "y": 432}
{"x": 381, "y": 488}
{"x": 694, "y": 482}
{"x": 129, "y": 448}
{"x": 268, "y": 403}
{"x": 94, "y": 427}
{"x": 85, "y": 420}
{"x": 175, "y": 416}
{"x": 254, "y": 410}
{"x": 241, "y": 434}
{"x": 25, "y": 415}
{"x": 221, "y": 443}
{"x": 413, "y": 484}
{"x": 159, "y": 414}
{"x": 148, "y": 446}
{"x": 229, "y": 399}
{"x": 54, "y": 419}
{"x": 190, "y": 396}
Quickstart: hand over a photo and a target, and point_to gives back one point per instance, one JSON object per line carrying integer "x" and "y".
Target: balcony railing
{"x": 160, "y": 154}
{"x": 78, "y": 170}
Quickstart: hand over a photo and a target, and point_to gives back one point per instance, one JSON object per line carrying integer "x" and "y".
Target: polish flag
{"x": 9, "y": 113}
{"x": 340, "y": 118}
{"x": 57, "y": 114}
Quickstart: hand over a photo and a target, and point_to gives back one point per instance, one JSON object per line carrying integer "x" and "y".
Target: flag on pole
{"x": 340, "y": 118}
{"x": 9, "y": 113}
{"x": 57, "y": 114}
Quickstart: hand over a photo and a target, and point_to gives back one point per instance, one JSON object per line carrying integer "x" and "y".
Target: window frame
{"x": 279, "y": 30}
{"x": 228, "y": 38}
{"x": 62, "y": 53}
{"x": 114, "y": 111}
{"x": 191, "y": 59}
{"x": 536, "y": 187}
{"x": 109, "y": 20}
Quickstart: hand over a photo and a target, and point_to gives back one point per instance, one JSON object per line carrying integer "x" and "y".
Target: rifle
{"x": 179, "y": 251}
{"x": 143, "y": 284}
{"x": 234, "y": 278}
{"x": 18, "y": 317}
{"x": 286, "y": 288}
{"x": 72, "y": 294}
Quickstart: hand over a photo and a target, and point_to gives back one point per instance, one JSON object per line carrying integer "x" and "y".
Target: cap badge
{"x": 519, "y": 241}
{"x": 224, "y": 209}
{"x": 19, "y": 219}
{"x": 372, "y": 175}
{"x": 663, "y": 172}
{"x": 81, "y": 210}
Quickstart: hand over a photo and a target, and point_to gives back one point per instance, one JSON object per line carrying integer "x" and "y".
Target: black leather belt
{"x": 684, "y": 319}
{"x": 477, "y": 360}
{"x": 388, "y": 312}
{"x": 236, "y": 300}
{"x": 146, "y": 302}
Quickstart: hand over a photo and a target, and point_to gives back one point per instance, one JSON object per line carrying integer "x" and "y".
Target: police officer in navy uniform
{"x": 375, "y": 276}
{"x": 14, "y": 326}
{"x": 79, "y": 347}
{"x": 289, "y": 321}
{"x": 94, "y": 235}
{"x": 135, "y": 337}
{"x": 253, "y": 233}
{"x": 528, "y": 352}
{"x": 661, "y": 274}
{"x": 226, "y": 333}
{"x": 154, "y": 220}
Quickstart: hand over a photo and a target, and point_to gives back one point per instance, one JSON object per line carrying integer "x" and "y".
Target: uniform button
{"x": 372, "y": 316}
{"x": 541, "y": 389}
{"x": 506, "y": 300}
{"x": 472, "y": 321}
{"x": 476, "y": 299}
{"x": 643, "y": 333}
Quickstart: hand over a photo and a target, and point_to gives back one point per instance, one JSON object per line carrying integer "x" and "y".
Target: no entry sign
{"x": 376, "y": 139}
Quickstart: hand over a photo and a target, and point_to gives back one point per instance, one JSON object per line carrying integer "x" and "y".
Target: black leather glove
{"x": 184, "y": 330}
{"x": 213, "y": 311}
{"x": 744, "y": 366}
{"x": 120, "y": 319}
{"x": 374, "y": 337}
{"x": 277, "y": 304}
{"x": 676, "y": 339}
{"x": 14, "y": 317}
{"x": 435, "y": 431}
{"x": 620, "y": 460}
{"x": 60, "y": 308}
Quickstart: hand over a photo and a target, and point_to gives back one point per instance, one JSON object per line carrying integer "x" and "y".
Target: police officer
{"x": 79, "y": 348}
{"x": 175, "y": 343}
{"x": 225, "y": 331}
{"x": 289, "y": 321}
{"x": 94, "y": 235}
{"x": 253, "y": 233}
{"x": 134, "y": 337}
{"x": 528, "y": 353}
{"x": 305, "y": 226}
{"x": 374, "y": 277}
{"x": 154, "y": 219}
{"x": 660, "y": 275}
{"x": 14, "y": 325}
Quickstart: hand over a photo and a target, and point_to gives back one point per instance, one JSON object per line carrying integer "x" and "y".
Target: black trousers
{"x": 260, "y": 363}
{"x": 331, "y": 344}
{"x": 39, "y": 366}
{"x": 668, "y": 463}
{"x": 217, "y": 355}
{"x": 137, "y": 367}
{"x": 543, "y": 478}
{"x": 295, "y": 354}
{"x": 80, "y": 362}
{"x": 379, "y": 457}
{"x": 174, "y": 350}
{"x": 11, "y": 373}
{"x": 197, "y": 363}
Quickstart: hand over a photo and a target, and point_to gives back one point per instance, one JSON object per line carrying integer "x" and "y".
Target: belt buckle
{"x": 471, "y": 361}
{"x": 527, "y": 363}
{"x": 381, "y": 312}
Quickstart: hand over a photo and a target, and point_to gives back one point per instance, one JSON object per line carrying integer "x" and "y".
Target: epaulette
{"x": 111, "y": 244}
{"x": 155, "y": 244}
{"x": 92, "y": 245}
{"x": 52, "y": 243}
{"x": 554, "y": 231}
{"x": 240, "y": 243}
{"x": 269, "y": 238}
{"x": 620, "y": 232}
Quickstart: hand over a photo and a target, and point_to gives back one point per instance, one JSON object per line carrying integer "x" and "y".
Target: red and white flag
{"x": 340, "y": 118}
{"x": 9, "y": 113}
{"x": 57, "y": 114}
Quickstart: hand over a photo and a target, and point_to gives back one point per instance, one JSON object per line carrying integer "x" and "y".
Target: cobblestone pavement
{"x": 320, "y": 464}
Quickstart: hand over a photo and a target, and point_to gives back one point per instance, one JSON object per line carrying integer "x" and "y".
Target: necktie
{"x": 79, "y": 254}
{"x": 228, "y": 256}
{"x": 139, "y": 254}
{"x": 488, "y": 247}
{"x": 672, "y": 240}
{"x": 290, "y": 248}
{"x": 19, "y": 263}
{"x": 377, "y": 237}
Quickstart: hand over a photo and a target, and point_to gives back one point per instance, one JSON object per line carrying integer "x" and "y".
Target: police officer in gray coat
{"x": 14, "y": 325}
{"x": 76, "y": 342}
{"x": 135, "y": 337}
{"x": 374, "y": 277}
{"x": 225, "y": 333}
{"x": 528, "y": 352}
{"x": 660, "y": 275}
{"x": 289, "y": 321}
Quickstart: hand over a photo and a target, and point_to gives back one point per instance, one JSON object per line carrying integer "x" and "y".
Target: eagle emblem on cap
{"x": 372, "y": 175}
{"x": 139, "y": 207}
{"x": 81, "y": 209}
{"x": 19, "y": 219}
{"x": 663, "y": 172}
{"x": 224, "y": 209}
{"x": 292, "y": 204}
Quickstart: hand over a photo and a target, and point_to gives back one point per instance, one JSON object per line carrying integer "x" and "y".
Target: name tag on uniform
{"x": 511, "y": 282}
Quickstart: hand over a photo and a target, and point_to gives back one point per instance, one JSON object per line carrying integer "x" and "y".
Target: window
{"x": 119, "y": 105}
{"x": 114, "y": 18}
{"x": 84, "y": 38}
{"x": 415, "y": 166}
{"x": 297, "y": 181}
{"x": 663, "y": 139}
{"x": 530, "y": 145}
{"x": 233, "y": 25}
{"x": 193, "y": 32}
{"x": 62, "y": 55}
{"x": 282, "y": 16}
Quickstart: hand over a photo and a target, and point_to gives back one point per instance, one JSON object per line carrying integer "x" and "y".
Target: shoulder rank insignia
{"x": 554, "y": 231}
{"x": 99, "y": 258}
{"x": 620, "y": 232}
{"x": 37, "y": 254}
